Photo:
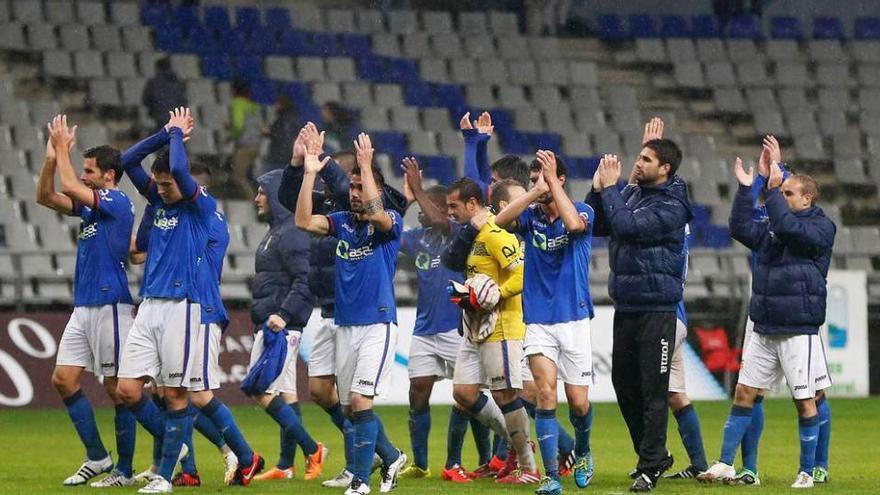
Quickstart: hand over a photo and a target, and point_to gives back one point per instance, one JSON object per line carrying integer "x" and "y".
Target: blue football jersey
{"x": 211, "y": 269}
{"x": 556, "y": 280}
{"x": 435, "y": 313}
{"x": 365, "y": 263}
{"x": 178, "y": 239}
{"x": 102, "y": 248}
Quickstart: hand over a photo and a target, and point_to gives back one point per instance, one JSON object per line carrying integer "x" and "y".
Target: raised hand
{"x": 298, "y": 153}
{"x": 60, "y": 136}
{"x": 547, "y": 159}
{"x": 776, "y": 177}
{"x": 653, "y": 130}
{"x": 363, "y": 148}
{"x": 412, "y": 174}
{"x": 770, "y": 153}
{"x": 484, "y": 124}
{"x": 609, "y": 170}
{"x": 465, "y": 122}
{"x": 181, "y": 118}
{"x": 313, "y": 141}
{"x": 313, "y": 164}
{"x": 744, "y": 178}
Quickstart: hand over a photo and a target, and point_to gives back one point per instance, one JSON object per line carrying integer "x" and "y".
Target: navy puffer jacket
{"x": 281, "y": 284}
{"x": 646, "y": 226}
{"x": 793, "y": 255}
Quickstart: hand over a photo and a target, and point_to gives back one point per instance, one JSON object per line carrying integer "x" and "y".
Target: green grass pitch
{"x": 40, "y": 449}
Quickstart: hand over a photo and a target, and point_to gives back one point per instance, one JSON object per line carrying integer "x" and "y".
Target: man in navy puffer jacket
{"x": 787, "y": 306}
{"x": 646, "y": 225}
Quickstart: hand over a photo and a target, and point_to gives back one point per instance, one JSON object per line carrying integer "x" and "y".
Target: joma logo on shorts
{"x": 664, "y": 355}
{"x": 800, "y": 387}
{"x": 367, "y": 383}
{"x": 175, "y": 375}
{"x": 495, "y": 379}
{"x": 108, "y": 365}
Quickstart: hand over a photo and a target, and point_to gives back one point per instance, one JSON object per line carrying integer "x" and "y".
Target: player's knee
{"x": 546, "y": 395}
{"x": 128, "y": 392}
{"x": 744, "y": 395}
{"x": 806, "y": 407}
{"x": 678, "y": 401}
{"x": 65, "y": 384}
{"x": 110, "y": 386}
{"x": 201, "y": 399}
{"x": 320, "y": 392}
{"x": 464, "y": 396}
{"x": 505, "y": 396}
{"x": 361, "y": 402}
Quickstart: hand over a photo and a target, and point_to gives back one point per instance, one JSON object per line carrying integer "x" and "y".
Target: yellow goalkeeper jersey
{"x": 497, "y": 254}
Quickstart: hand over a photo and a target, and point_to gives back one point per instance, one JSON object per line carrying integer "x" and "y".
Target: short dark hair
{"x": 512, "y": 167}
{"x": 466, "y": 189}
{"x": 561, "y": 169}
{"x": 667, "y": 152}
{"x": 437, "y": 193}
{"x": 377, "y": 175}
{"x": 501, "y": 192}
{"x": 808, "y": 186}
{"x": 162, "y": 163}
{"x": 107, "y": 158}
{"x": 199, "y": 168}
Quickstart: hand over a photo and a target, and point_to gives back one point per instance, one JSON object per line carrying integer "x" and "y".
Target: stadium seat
{"x": 705, "y": 26}
{"x": 74, "y": 37}
{"x": 248, "y": 18}
{"x": 787, "y": 28}
{"x": 436, "y": 22}
{"x": 106, "y": 38}
{"x": 611, "y": 28}
{"x": 867, "y": 28}
{"x": 216, "y": 67}
{"x": 340, "y": 21}
{"x": 673, "y": 26}
{"x": 124, "y": 13}
{"x": 642, "y": 26}
{"x": 278, "y": 19}
{"x": 217, "y": 19}
{"x": 743, "y": 50}
{"x": 828, "y": 28}
{"x": 402, "y": 21}
{"x": 90, "y": 13}
{"x": 136, "y": 39}
{"x": 473, "y": 22}
{"x": 744, "y": 26}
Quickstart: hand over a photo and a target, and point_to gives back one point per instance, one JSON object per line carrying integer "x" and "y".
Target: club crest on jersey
{"x": 346, "y": 252}
{"x": 540, "y": 241}
{"x": 163, "y": 222}
{"x": 425, "y": 262}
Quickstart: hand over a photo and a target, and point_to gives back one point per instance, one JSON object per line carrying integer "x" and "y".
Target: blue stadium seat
{"x": 216, "y": 67}
{"x": 786, "y": 28}
{"x": 501, "y": 119}
{"x": 828, "y": 28}
{"x": 248, "y": 68}
{"x": 389, "y": 142}
{"x": 441, "y": 168}
{"x": 155, "y": 14}
{"x": 322, "y": 44}
{"x": 403, "y": 70}
{"x": 263, "y": 91}
{"x": 372, "y": 68}
{"x": 717, "y": 237}
{"x": 300, "y": 95}
{"x": 248, "y": 18}
{"x": 581, "y": 167}
{"x": 705, "y": 26}
{"x": 702, "y": 214}
{"x": 418, "y": 94}
{"x": 278, "y": 19}
{"x": 545, "y": 141}
{"x": 611, "y": 28}
{"x": 187, "y": 17}
{"x": 642, "y": 26}
{"x": 867, "y": 28}
{"x": 169, "y": 38}
{"x": 262, "y": 42}
{"x": 744, "y": 27}
{"x": 234, "y": 42}
{"x": 217, "y": 19}
{"x": 673, "y": 26}
{"x": 202, "y": 42}
{"x": 452, "y": 97}
{"x": 354, "y": 44}
{"x": 516, "y": 143}
{"x": 293, "y": 43}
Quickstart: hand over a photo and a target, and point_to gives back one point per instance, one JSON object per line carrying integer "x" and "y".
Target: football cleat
{"x": 276, "y": 473}
{"x": 147, "y": 475}
{"x": 315, "y": 463}
{"x": 685, "y": 474}
{"x": 115, "y": 478}
{"x": 414, "y": 472}
{"x": 244, "y": 475}
{"x": 803, "y": 480}
{"x": 520, "y": 477}
{"x": 717, "y": 472}
{"x": 390, "y": 472}
{"x": 645, "y": 482}
{"x": 583, "y": 471}
{"x": 566, "y": 463}
{"x": 548, "y": 486}
{"x": 88, "y": 470}
{"x": 820, "y": 475}
{"x": 455, "y": 474}
{"x": 157, "y": 485}
{"x": 186, "y": 479}
{"x": 511, "y": 464}
{"x": 230, "y": 466}
{"x": 745, "y": 477}
{"x": 484, "y": 471}
{"x": 342, "y": 480}
{"x": 357, "y": 487}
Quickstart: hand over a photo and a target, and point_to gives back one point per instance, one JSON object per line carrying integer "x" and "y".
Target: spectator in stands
{"x": 244, "y": 132}
{"x": 337, "y": 125}
{"x": 645, "y": 223}
{"x": 285, "y": 125}
{"x": 163, "y": 92}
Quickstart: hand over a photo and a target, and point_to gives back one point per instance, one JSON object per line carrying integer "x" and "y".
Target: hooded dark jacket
{"x": 282, "y": 265}
{"x": 793, "y": 253}
{"x": 334, "y": 197}
{"x": 646, "y": 227}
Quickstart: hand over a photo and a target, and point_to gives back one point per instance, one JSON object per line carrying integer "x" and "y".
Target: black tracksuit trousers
{"x": 640, "y": 363}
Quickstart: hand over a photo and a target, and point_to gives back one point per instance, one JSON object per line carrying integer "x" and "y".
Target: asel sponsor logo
{"x": 543, "y": 243}
{"x": 88, "y": 231}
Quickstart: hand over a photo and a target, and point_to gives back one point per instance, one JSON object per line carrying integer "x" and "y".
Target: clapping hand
{"x": 744, "y": 178}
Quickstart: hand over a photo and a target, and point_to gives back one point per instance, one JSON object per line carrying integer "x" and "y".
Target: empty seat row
{"x": 423, "y": 45}
{"x": 495, "y": 71}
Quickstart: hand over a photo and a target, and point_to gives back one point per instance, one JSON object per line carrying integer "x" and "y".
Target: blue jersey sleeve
{"x": 132, "y": 158}
{"x": 180, "y": 164}
{"x": 396, "y": 225}
{"x": 524, "y": 222}
{"x": 476, "y": 158}
{"x": 335, "y": 220}
{"x": 407, "y": 241}
{"x": 587, "y": 213}
{"x": 112, "y": 203}
{"x": 142, "y": 238}
{"x": 205, "y": 203}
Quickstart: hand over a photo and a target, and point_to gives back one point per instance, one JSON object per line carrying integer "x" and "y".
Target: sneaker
{"x": 88, "y": 470}
{"x": 158, "y": 485}
{"x": 803, "y": 480}
{"x": 496, "y": 464}
{"x": 717, "y": 472}
{"x": 820, "y": 475}
{"x": 414, "y": 472}
{"x": 664, "y": 466}
{"x": 455, "y": 474}
{"x": 567, "y": 461}
{"x": 484, "y": 471}
{"x": 186, "y": 479}
{"x": 548, "y": 486}
{"x": 520, "y": 477}
{"x": 115, "y": 478}
{"x": 390, "y": 472}
{"x": 377, "y": 463}
{"x": 147, "y": 475}
{"x": 342, "y": 480}
{"x": 685, "y": 474}
{"x": 230, "y": 466}
{"x": 244, "y": 475}
{"x": 583, "y": 471}
{"x": 511, "y": 464}
{"x": 357, "y": 487}
{"x": 315, "y": 463}
{"x": 276, "y": 473}
{"x": 645, "y": 482}
{"x": 745, "y": 477}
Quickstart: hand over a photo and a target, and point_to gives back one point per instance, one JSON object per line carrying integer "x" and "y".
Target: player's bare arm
{"x": 63, "y": 138}
{"x": 374, "y": 212}
{"x": 312, "y": 165}
{"x": 573, "y": 222}
{"x": 46, "y": 194}
{"x": 413, "y": 183}
{"x": 508, "y": 218}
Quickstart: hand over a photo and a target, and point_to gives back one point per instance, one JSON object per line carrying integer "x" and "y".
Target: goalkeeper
{"x": 491, "y": 353}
